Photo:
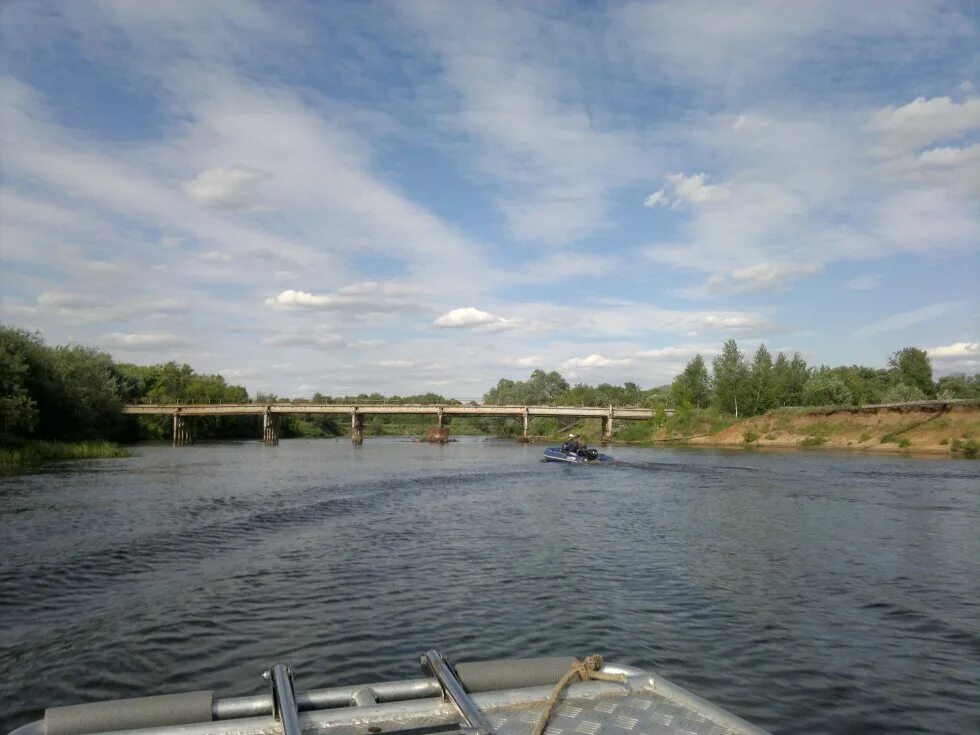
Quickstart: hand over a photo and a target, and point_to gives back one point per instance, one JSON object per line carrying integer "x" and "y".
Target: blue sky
{"x": 405, "y": 197}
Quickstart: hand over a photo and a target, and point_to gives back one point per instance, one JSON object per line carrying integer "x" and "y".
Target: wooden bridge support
{"x": 182, "y": 430}
{"x": 357, "y": 428}
{"x": 270, "y": 428}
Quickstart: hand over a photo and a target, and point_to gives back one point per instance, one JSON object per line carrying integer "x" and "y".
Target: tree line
{"x": 741, "y": 387}
{"x": 73, "y": 393}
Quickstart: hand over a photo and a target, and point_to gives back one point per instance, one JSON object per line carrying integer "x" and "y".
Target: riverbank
{"x": 950, "y": 431}
{"x": 28, "y": 453}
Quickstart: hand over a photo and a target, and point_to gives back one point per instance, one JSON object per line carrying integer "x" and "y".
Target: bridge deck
{"x": 258, "y": 409}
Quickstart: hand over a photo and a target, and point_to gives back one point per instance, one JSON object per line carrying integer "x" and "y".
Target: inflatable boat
{"x": 548, "y": 696}
{"x": 587, "y": 456}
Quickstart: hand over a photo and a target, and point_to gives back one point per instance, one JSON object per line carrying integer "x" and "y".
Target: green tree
{"x": 762, "y": 392}
{"x": 540, "y": 388}
{"x": 823, "y": 388}
{"x": 788, "y": 379}
{"x": 693, "y": 386}
{"x": 730, "y": 378}
{"x": 958, "y": 386}
{"x": 92, "y": 405}
{"x": 914, "y": 368}
{"x": 18, "y": 410}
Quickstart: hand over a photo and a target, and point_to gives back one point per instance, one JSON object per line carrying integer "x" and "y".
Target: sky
{"x": 429, "y": 196}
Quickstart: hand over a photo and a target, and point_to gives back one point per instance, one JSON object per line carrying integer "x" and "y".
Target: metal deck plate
{"x": 630, "y": 713}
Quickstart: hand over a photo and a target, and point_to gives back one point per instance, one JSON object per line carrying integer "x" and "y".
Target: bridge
{"x": 272, "y": 414}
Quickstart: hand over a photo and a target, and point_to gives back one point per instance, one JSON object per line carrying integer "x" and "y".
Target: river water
{"x": 807, "y": 592}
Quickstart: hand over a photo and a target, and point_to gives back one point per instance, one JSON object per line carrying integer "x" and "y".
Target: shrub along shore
{"x": 32, "y": 452}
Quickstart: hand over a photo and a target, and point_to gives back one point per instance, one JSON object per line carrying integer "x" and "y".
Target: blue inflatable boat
{"x": 588, "y": 456}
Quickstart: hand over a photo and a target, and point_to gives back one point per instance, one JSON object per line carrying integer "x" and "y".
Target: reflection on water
{"x": 806, "y": 592}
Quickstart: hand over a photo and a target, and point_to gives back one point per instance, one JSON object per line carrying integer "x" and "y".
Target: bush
{"x": 967, "y": 448}
{"x": 813, "y": 441}
{"x": 749, "y": 437}
{"x": 889, "y": 439}
{"x": 904, "y": 442}
{"x": 865, "y": 435}
{"x": 902, "y": 393}
{"x": 944, "y": 441}
{"x": 771, "y": 437}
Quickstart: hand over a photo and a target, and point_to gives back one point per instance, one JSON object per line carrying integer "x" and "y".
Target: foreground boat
{"x": 554, "y": 454}
{"x": 512, "y": 697}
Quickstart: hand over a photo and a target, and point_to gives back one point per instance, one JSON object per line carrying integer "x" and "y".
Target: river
{"x": 807, "y": 592}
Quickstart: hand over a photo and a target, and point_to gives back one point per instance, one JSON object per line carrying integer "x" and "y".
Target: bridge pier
{"x": 607, "y": 425}
{"x": 270, "y": 428}
{"x": 525, "y": 417}
{"x": 357, "y": 428}
{"x": 182, "y": 430}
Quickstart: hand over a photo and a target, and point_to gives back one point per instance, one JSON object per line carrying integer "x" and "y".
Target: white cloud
{"x": 477, "y": 320}
{"x": 238, "y": 373}
{"x": 594, "y": 360}
{"x": 950, "y": 156}
{"x": 864, "y": 283}
{"x": 750, "y": 123}
{"x": 98, "y": 307}
{"x": 733, "y": 48}
{"x": 956, "y": 350}
{"x": 958, "y": 356}
{"x": 70, "y": 300}
{"x": 676, "y": 353}
{"x": 306, "y": 339}
{"x": 370, "y": 296}
{"x": 553, "y": 162}
{"x": 680, "y": 189}
{"x": 137, "y": 342}
{"x": 467, "y": 316}
{"x": 561, "y": 266}
{"x": 366, "y": 344}
{"x": 757, "y": 277}
{"x": 767, "y": 274}
{"x": 922, "y": 121}
{"x": 213, "y": 256}
{"x": 531, "y": 361}
{"x": 224, "y": 188}
{"x": 903, "y": 320}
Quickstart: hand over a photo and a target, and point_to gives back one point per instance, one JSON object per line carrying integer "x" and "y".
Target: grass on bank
{"x": 684, "y": 424}
{"x": 30, "y": 452}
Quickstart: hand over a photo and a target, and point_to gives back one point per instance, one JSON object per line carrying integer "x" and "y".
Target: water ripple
{"x": 810, "y": 592}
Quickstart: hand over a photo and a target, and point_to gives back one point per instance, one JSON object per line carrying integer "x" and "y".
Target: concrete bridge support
{"x": 270, "y": 428}
{"x": 525, "y": 417}
{"x": 607, "y": 426}
{"x": 357, "y": 428}
{"x": 182, "y": 430}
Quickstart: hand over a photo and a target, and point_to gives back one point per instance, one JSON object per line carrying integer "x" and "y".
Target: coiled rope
{"x": 584, "y": 671}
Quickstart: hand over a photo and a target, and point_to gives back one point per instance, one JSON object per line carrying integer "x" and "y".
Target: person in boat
{"x": 572, "y": 445}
